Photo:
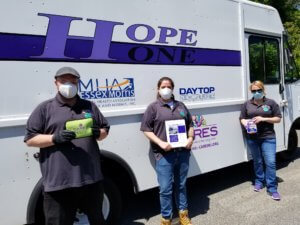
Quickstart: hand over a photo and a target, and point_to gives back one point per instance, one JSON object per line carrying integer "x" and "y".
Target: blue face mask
{"x": 258, "y": 95}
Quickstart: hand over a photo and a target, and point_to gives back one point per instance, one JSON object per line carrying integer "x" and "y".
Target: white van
{"x": 212, "y": 49}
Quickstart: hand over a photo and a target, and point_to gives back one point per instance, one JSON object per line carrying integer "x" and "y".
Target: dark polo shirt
{"x": 72, "y": 164}
{"x": 269, "y": 108}
{"x": 155, "y": 116}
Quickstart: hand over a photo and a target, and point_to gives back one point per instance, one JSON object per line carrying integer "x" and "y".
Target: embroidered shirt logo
{"x": 266, "y": 108}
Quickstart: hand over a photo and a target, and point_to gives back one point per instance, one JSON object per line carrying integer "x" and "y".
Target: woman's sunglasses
{"x": 254, "y": 91}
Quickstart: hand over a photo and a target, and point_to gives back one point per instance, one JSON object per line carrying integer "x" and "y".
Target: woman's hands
{"x": 244, "y": 122}
{"x": 189, "y": 143}
{"x": 165, "y": 146}
{"x": 259, "y": 119}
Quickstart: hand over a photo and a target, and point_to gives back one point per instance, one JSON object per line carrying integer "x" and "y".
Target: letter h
{"x": 58, "y": 33}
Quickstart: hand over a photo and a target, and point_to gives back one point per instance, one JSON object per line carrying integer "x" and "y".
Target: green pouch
{"x": 82, "y": 127}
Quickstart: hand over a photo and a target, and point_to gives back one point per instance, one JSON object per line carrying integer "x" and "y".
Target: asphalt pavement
{"x": 226, "y": 197}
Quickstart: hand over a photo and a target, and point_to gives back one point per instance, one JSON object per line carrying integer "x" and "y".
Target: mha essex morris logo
{"x": 108, "y": 92}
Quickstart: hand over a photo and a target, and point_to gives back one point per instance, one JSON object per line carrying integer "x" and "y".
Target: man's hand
{"x": 63, "y": 136}
{"x": 96, "y": 132}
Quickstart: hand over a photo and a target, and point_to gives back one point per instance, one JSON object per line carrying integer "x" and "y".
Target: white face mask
{"x": 165, "y": 93}
{"x": 68, "y": 90}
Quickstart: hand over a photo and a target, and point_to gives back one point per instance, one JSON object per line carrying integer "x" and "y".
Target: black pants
{"x": 60, "y": 206}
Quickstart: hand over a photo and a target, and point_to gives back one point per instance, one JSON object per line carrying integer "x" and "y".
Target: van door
{"x": 264, "y": 64}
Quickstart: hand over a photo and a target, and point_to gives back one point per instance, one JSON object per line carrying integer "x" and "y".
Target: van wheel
{"x": 292, "y": 146}
{"x": 293, "y": 141}
{"x": 111, "y": 206}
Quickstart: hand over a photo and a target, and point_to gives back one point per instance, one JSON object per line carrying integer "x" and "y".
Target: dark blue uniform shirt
{"x": 269, "y": 108}
{"x": 157, "y": 113}
{"x": 72, "y": 164}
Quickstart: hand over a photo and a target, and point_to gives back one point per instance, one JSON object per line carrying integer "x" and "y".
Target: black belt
{"x": 177, "y": 150}
{"x": 181, "y": 149}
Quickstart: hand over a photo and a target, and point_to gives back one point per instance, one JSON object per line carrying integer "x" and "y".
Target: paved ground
{"x": 227, "y": 197}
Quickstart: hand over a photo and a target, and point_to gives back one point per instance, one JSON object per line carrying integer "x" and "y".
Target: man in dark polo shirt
{"x": 66, "y": 129}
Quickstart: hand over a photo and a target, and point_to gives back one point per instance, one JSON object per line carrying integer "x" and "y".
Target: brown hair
{"x": 163, "y": 79}
{"x": 259, "y": 84}
{"x": 167, "y": 79}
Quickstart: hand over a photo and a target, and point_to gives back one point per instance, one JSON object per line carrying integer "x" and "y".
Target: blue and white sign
{"x": 197, "y": 93}
{"x": 108, "y": 92}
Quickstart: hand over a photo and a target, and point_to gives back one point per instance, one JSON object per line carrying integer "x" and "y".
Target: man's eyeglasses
{"x": 254, "y": 91}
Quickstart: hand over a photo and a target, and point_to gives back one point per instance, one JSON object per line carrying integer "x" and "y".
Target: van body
{"x": 212, "y": 49}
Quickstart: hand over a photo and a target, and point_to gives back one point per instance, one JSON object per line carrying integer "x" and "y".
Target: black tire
{"x": 111, "y": 193}
{"x": 115, "y": 200}
{"x": 293, "y": 141}
{"x": 292, "y": 146}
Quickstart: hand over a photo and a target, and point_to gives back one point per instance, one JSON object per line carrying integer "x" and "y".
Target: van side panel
{"x": 121, "y": 50}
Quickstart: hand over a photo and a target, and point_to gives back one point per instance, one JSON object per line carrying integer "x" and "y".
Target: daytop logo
{"x": 108, "y": 92}
{"x": 197, "y": 93}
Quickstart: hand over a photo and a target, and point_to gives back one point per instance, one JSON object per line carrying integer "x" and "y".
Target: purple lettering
{"x": 213, "y": 131}
{"x": 131, "y": 33}
{"x": 103, "y": 36}
{"x": 197, "y": 132}
{"x": 187, "y": 35}
{"x": 205, "y": 132}
{"x": 58, "y": 33}
{"x": 166, "y": 32}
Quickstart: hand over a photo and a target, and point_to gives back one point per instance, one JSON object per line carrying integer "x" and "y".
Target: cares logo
{"x": 95, "y": 89}
{"x": 206, "y": 135}
{"x": 202, "y": 129}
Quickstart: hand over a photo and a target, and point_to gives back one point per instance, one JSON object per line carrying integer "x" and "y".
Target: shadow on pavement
{"x": 146, "y": 204}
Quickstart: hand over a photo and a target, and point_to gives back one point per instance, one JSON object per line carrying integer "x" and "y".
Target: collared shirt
{"x": 72, "y": 164}
{"x": 269, "y": 108}
{"x": 157, "y": 113}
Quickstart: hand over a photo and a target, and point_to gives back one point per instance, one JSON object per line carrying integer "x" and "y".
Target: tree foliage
{"x": 289, "y": 11}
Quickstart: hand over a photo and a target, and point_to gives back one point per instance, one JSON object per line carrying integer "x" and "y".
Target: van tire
{"x": 111, "y": 193}
{"x": 115, "y": 200}
{"x": 293, "y": 141}
{"x": 292, "y": 146}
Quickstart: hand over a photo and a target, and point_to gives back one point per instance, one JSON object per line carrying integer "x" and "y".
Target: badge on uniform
{"x": 87, "y": 113}
{"x": 182, "y": 113}
{"x": 266, "y": 108}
